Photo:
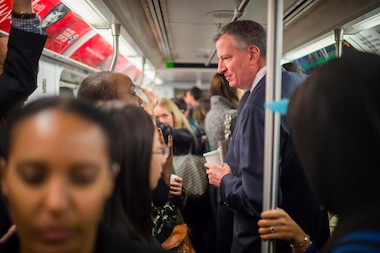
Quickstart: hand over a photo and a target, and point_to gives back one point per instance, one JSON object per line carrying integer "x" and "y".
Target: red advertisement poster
{"x": 93, "y": 52}
{"x": 5, "y": 15}
{"x": 62, "y": 26}
{"x": 65, "y": 30}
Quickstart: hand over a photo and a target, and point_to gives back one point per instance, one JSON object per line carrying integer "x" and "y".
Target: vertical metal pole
{"x": 338, "y": 42}
{"x": 142, "y": 71}
{"x": 116, "y": 34}
{"x": 272, "y": 120}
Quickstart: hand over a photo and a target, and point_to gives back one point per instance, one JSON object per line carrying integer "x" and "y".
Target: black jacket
{"x": 183, "y": 140}
{"x": 19, "y": 78}
{"x": 18, "y": 81}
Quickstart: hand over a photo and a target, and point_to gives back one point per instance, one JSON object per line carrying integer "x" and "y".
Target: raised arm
{"x": 19, "y": 78}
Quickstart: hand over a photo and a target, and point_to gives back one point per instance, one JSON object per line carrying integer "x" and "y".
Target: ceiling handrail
{"x": 238, "y": 13}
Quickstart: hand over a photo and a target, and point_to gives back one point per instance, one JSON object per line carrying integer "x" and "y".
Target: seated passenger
{"x": 335, "y": 120}
{"x": 58, "y": 172}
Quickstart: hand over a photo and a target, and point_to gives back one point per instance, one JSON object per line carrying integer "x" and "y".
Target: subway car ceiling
{"x": 170, "y": 42}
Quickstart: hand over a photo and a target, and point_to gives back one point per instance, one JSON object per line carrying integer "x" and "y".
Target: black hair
{"x": 292, "y": 67}
{"x": 70, "y": 105}
{"x": 334, "y": 118}
{"x": 180, "y": 103}
{"x": 196, "y": 93}
{"x": 129, "y": 208}
{"x": 98, "y": 86}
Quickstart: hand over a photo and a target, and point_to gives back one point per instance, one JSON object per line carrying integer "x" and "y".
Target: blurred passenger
{"x": 292, "y": 67}
{"x": 200, "y": 112}
{"x": 241, "y": 48}
{"x": 173, "y": 122}
{"x": 192, "y": 96}
{"x": 18, "y": 69}
{"x": 105, "y": 86}
{"x": 335, "y": 117}
{"x": 58, "y": 172}
{"x": 108, "y": 85}
{"x": 223, "y": 99}
{"x": 141, "y": 156}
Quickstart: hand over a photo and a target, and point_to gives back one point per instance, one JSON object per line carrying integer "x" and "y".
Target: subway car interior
{"x": 167, "y": 49}
{"x": 167, "y": 45}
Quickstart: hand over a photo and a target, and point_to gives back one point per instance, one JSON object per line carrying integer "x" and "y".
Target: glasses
{"x": 162, "y": 151}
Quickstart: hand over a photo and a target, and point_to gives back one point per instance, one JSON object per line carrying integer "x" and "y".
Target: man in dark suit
{"x": 241, "y": 48}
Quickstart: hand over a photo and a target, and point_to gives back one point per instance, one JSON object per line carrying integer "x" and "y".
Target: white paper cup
{"x": 214, "y": 157}
{"x": 173, "y": 177}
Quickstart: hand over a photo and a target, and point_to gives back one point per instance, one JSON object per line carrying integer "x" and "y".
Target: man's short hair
{"x": 98, "y": 86}
{"x": 196, "y": 93}
{"x": 246, "y": 33}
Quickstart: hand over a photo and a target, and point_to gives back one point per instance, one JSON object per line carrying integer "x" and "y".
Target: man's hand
{"x": 216, "y": 173}
{"x": 22, "y": 6}
{"x": 153, "y": 98}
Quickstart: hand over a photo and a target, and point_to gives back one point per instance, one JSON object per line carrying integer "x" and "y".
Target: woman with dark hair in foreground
{"x": 58, "y": 172}
{"x": 335, "y": 121}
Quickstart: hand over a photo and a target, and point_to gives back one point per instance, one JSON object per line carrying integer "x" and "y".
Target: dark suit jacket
{"x": 108, "y": 242}
{"x": 19, "y": 78}
{"x": 18, "y": 81}
{"x": 243, "y": 189}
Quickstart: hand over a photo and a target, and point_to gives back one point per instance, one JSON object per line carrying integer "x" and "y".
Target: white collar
{"x": 260, "y": 74}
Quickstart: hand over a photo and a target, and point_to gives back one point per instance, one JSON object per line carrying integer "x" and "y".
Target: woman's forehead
{"x": 58, "y": 129}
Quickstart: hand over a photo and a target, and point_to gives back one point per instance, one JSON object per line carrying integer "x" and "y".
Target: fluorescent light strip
{"x": 88, "y": 12}
{"x": 91, "y": 15}
{"x": 364, "y": 25}
{"x": 307, "y": 49}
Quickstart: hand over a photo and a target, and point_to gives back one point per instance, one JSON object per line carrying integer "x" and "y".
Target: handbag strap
{"x": 227, "y": 123}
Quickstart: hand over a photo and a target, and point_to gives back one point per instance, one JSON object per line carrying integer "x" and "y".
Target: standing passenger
{"x": 18, "y": 77}
{"x": 106, "y": 86}
{"x": 141, "y": 157}
{"x": 335, "y": 120}
{"x": 241, "y": 48}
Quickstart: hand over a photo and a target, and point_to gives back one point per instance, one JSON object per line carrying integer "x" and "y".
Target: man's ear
{"x": 254, "y": 53}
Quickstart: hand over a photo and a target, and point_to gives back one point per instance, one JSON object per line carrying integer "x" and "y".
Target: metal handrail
{"x": 238, "y": 13}
{"x": 272, "y": 120}
{"x": 116, "y": 35}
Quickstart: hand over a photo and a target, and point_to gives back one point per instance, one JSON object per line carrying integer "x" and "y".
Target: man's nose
{"x": 221, "y": 68}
